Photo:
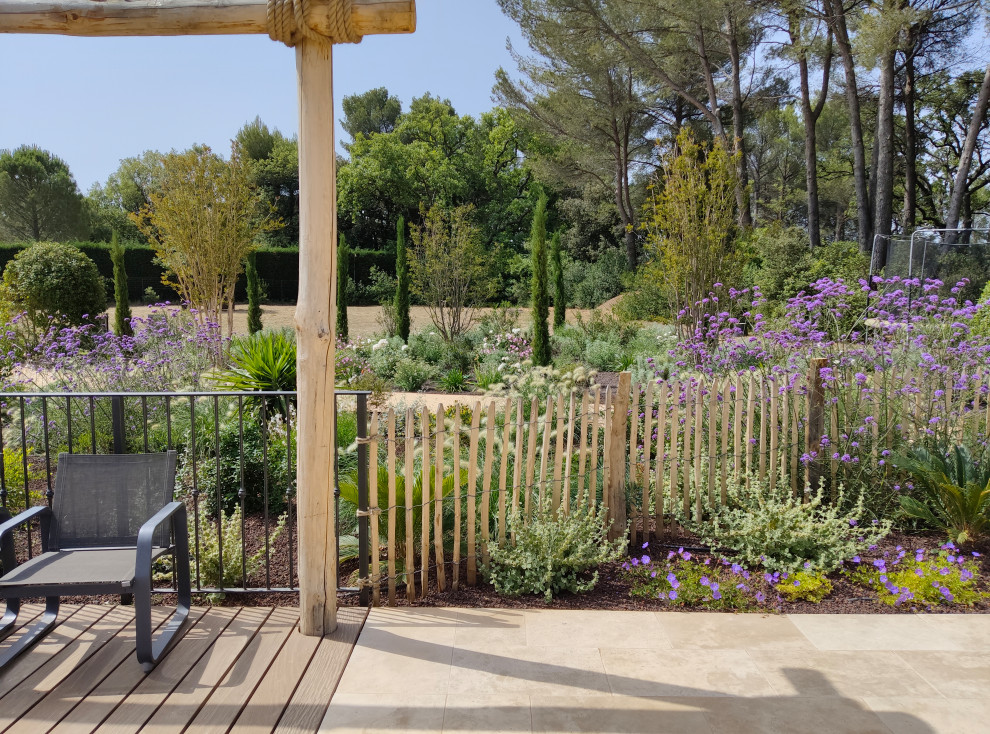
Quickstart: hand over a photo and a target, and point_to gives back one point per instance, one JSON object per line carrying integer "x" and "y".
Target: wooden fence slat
{"x": 424, "y": 512}
{"x": 737, "y": 422}
{"x": 503, "y": 468}
{"x": 568, "y": 465}
{"x": 558, "y": 454}
{"x": 795, "y": 445}
{"x": 545, "y": 448}
{"x": 486, "y": 482}
{"x": 392, "y": 439}
{"x": 774, "y": 434}
{"x": 712, "y": 438}
{"x": 593, "y": 474}
{"x": 658, "y": 494}
{"x": 699, "y": 416}
{"x": 408, "y": 464}
{"x": 518, "y": 461}
{"x": 376, "y": 565}
{"x": 472, "y": 515}
{"x": 675, "y": 426}
{"x": 689, "y": 393}
{"x": 644, "y": 514}
{"x": 534, "y": 417}
{"x": 834, "y": 435}
{"x": 726, "y": 406}
{"x": 634, "y": 443}
{"x": 438, "y": 477}
{"x": 750, "y": 420}
{"x": 456, "y": 572}
{"x": 607, "y": 443}
{"x": 764, "y": 423}
{"x": 584, "y": 422}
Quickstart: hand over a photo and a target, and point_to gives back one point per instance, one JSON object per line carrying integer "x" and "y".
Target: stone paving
{"x": 489, "y": 670}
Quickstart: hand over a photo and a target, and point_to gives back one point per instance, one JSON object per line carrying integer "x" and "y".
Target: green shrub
{"x": 782, "y": 532}
{"x": 122, "y": 304}
{"x": 486, "y": 376}
{"x": 953, "y": 491}
{"x": 453, "y": 381}
{"x": 805, "y": 585}
{"x": 411, "y": 374}
{"x": 266, "y": 362}
{"x": 342, "y": 288}
{"x": 229, "y": 576}
{"x": 13, "y": 473}
{"x": 54, "y": 280}
{"x": 604, "y": 355}
{"x": 150, "y": 296}
{"x": 553, "y": 552}
{"x": 592, "y": 285}
{"x": 683, "y": 581}
{"x": 428, "y": 346}
{"x": 386, "y": 355}
{"x": 942, "y": 579}
{"x": 401, "y": 302}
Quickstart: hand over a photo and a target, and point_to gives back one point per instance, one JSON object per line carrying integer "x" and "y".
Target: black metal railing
{"x": 236, "y": 471}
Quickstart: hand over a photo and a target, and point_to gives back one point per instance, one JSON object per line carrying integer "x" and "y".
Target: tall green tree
{"x": 559, "y": 296}
{"x": 401, "y": 281}
{"x": 122, "y": 301}
{"x": 342, "y": 265}
{"x": 541, "y": 285}
{"x": 253, "y": 294}
{"x": 39, "y": 199}
{"x": 373, "y": 113}
{"x": 123, "y": 194}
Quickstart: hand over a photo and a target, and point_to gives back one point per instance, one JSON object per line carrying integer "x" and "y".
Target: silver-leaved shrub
{"x": 783, "y": 532}
{"x": 553, "y": 552}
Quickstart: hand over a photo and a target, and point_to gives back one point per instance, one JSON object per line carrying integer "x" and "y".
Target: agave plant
{"x": 349, "y": 492}
{"x": 265, "y": 361}
{"x": 953, "y": 491}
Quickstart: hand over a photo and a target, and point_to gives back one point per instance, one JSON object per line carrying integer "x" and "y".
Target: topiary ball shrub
{"x": 55, "y": 280}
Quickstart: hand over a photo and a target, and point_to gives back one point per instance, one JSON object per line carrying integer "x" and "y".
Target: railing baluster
{"x": 216, "y": 467}
{"x": 241, "y": 491}
{"x": 264, "y": 487}
{"x": 195, "y": 483}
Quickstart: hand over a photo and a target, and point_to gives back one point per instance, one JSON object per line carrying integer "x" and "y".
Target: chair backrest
{"x": 101, "y": 500}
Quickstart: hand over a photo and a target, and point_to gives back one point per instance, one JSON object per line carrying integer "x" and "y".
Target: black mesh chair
{"x": 112, "y": 517}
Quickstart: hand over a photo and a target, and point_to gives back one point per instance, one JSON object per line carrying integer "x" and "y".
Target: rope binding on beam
{"x": 287, "y": 22}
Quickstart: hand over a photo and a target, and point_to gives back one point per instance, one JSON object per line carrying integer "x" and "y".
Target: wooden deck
{"x": 235, "y": 669}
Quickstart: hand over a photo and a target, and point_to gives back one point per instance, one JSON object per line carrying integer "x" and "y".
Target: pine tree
{"x": 541, "y": 295}
{"x": 342, "y": 257}
{"x": 402, "y": 282}
{"x": 559, "y": 297}
{"x": 254, "y": 295}
{"x": 122, "y": 310}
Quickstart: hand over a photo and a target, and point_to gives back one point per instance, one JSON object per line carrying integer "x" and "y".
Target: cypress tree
{"x": 559, "y": 298}
{"x": 342, "y": 258}
{"x": 253, "y": 295}
{"x": 122, "y": 309}
{"x": 541, "y": 295}
{"x": 401, "y": 302}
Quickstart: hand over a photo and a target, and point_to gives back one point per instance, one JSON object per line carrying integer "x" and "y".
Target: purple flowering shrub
{"x": 683, "y": 580}
{"x": 921, "y": 579}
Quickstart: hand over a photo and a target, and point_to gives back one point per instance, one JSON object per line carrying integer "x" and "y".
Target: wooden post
{"x": 615, "y": 489}
{"x": 816, "y": 420}
{"x": 315, "y": 322}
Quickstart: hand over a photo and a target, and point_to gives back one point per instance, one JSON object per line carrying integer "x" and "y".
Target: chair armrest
{"x": 174, "y": 511}
{"x": 147, "y": 532}
{"x": 43, "y": 511}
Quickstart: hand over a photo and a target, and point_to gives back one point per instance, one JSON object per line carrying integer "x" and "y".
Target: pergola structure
{"x": 312, "y": 27}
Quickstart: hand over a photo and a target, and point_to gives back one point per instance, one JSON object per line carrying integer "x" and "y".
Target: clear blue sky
{"x": 95, "y": 101}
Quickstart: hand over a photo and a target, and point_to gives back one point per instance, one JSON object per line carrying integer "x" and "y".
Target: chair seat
{"x": 74, "y": 568}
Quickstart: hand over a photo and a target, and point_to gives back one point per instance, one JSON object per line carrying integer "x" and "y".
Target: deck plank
{"x": 273, "y": 694}
{"x": 84, "y": 678}
{"x": 236, "y": 689}
{"x": 309, "y": 703}
{"x": 102, "y": 700}
{"x": 182, "y": 704}
{"x": 141, "y": 704}
{"x": 74, "y": 655}
{"x": 72, "y": 621}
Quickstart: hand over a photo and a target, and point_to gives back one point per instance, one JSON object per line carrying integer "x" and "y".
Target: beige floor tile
{"x": 614, "y": 715}
{"x": 867, "y": 631}
{"x": 737, "y": 631}
{"x": 572, "y": 628}
{"x": 425, "y": 625}
{"x": 538, "y": 671}
{"x": 508, "y": 712}
{"x": 840, "y": 673}
{"x": 635, "y": 672}
{"x": 791, "y": 715}
{"x": 490, "y": 629}
{"x": 953, "y": 674}
{"x": 911, "y": 715}
{"x": 968, "y": 632}
{"x": 383, "y": 714}
{"x": 409, "y": 667}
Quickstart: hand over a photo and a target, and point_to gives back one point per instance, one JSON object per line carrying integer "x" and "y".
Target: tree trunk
{"x": 315, "y": 321}
{"x": 884, "y": 191}
{"x": 909, "y": 215}
{"x": 837, "y": 19}
{"x": 738, "y": 130}
{"x": 960, "y": 186}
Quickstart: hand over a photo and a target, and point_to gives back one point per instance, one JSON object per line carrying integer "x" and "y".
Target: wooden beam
{"x": 188, "y": 17}
{"x": 315, "y": 322}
